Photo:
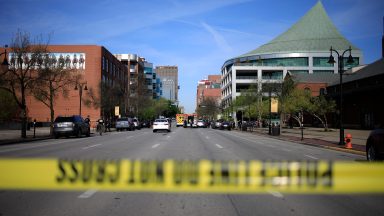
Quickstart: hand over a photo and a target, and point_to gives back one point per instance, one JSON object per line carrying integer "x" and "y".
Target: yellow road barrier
{"x": 201, "y": 176}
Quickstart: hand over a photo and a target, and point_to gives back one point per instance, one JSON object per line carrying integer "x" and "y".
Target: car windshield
{"x": 191, "y": 107}
{"x": 64, "y": 119}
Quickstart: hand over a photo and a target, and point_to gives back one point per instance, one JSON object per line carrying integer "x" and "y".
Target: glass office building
{"x": 303, "y": 48}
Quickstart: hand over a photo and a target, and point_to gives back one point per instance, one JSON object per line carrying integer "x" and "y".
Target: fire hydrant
{"x": 348, "y": 141}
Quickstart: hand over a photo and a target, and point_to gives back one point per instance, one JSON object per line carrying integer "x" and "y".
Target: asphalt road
{"x": 181, "y": 143}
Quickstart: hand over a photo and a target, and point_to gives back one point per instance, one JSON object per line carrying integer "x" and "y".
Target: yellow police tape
{"x": 201, "y": 176}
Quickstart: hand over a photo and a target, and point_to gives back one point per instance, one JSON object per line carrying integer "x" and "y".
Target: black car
{"x": 145, "y": 124}
{"x": 71, "y": 126}
{"x": 225, "y": 126}
{"x": 375, "y": 145}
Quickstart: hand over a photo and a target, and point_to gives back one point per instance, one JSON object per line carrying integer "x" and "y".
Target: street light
{"x": 80, "y": 87}
{"x": 341, "y": 71}
{"x": 270, "y": 102}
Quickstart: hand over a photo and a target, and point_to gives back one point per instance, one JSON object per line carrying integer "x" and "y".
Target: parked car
{"x": 71, "y": 126}
{"x": 375, "y": 145}
{"x": 136, "y": 123}
{"x": 161, "y": 124}
{"x": 225, "y": 126}
{"x": 125, "y": 123}
{"x": 145, "y": 124}
{"x": 201, "y": 124}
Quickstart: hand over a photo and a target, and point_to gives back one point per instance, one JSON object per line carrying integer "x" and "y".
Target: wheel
{"x": 371, "y": 153}
{"x": 78, "y": 133}
{"x": 88, "y": 133}
{"x": 56, "y": 136}
{"x": 154, "y": 131}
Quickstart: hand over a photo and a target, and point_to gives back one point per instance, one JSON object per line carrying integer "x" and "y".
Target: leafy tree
{"x": 21, "y": 75}
{"x": 297, "y": 103}
{"x": 320, "y": 107}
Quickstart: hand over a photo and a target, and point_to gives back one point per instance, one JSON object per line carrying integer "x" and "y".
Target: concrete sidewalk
{"x": 319, "y": 137}
{"x": 14, "y": 136}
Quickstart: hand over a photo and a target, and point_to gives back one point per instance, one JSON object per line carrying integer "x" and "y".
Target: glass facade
{"x": 321, "y": 62}
{"x": 323, "y": 71}
{"x": 302, "y": 61}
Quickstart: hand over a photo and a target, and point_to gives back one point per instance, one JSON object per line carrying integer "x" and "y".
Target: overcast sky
{"x": 196, "y": 35}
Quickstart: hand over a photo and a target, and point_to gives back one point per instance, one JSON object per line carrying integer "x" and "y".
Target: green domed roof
{"x": 312, "y": 33}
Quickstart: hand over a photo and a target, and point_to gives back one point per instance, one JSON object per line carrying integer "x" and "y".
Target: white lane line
{"x": 156, "y": 145}
{"x": 168, "y": 136}
{"x": 87, "y": 194}
{"x": 91, "y": 146}
{"x": 207, "y": 137}
{"x": 219, "y": 146}
{"x": 287, "y": 150}
{"x": 276, "y": 194}
{"x": 315, "y": 158}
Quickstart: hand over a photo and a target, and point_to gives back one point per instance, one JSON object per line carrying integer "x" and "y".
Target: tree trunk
{"x": 24, "y": 114}
{"x": 51, "y": 92}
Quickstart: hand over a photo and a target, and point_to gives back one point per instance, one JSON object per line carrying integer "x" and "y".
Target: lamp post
{"x": 270, "y": 102}
{"x": 80, "y": 87}
{"x": 341, "y": 71}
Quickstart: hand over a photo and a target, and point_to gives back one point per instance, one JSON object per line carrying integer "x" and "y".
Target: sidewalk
{"x": 14, "y": 136}
{"x": 320, "y": 138}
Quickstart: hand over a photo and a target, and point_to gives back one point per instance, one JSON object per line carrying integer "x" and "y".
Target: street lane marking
{"x": 276, "y": 194}
{"x": 168, "y": 136}
{"x": 315, "y": 158}
{"x": 156, "y": 145}
{"x": 91, "y": 146}
{"x": 87, "y": 194}
{"x": 207, "y": 137}
{"x": 219, "y": 146}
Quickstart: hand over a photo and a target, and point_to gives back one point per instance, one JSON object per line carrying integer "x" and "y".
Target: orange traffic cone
{"x": 348, "y": 141}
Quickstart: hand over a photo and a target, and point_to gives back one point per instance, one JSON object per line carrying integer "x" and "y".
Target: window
{"x": 321, "y": 62}
{"x": 281, "y": 62}
{"x": 272, "y": 75}
{"x": 323, "y": 71}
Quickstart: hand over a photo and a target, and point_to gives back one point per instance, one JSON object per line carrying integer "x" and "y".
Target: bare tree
{"x": 21, "y": 75}
{"x": 54, "y": 78}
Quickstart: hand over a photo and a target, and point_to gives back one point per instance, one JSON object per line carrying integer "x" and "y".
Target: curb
{"x": 20, "y": 140}
{"x": 352, "y": 151}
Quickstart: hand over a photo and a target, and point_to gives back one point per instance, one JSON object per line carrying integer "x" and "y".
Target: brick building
{"x": 96, "y": 64}
{"x": 209, "y": 88}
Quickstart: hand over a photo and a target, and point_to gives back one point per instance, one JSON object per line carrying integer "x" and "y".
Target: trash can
{"x": 276, "y": 131}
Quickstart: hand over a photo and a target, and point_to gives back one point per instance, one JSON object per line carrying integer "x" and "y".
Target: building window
{"x": 323, "y": 71}
{"x": 106, "y": 65}
{"x": 272, "y": 75}
{"x": 302, "y": 61}
{"x": 321, "y": 62}
{"x": 354, "y": 64}
{"x": 103, "y": 63}
{"x": 323, "y": 91}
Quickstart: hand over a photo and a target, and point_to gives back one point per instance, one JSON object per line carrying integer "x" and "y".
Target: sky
{"x": 196, "y": 35}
